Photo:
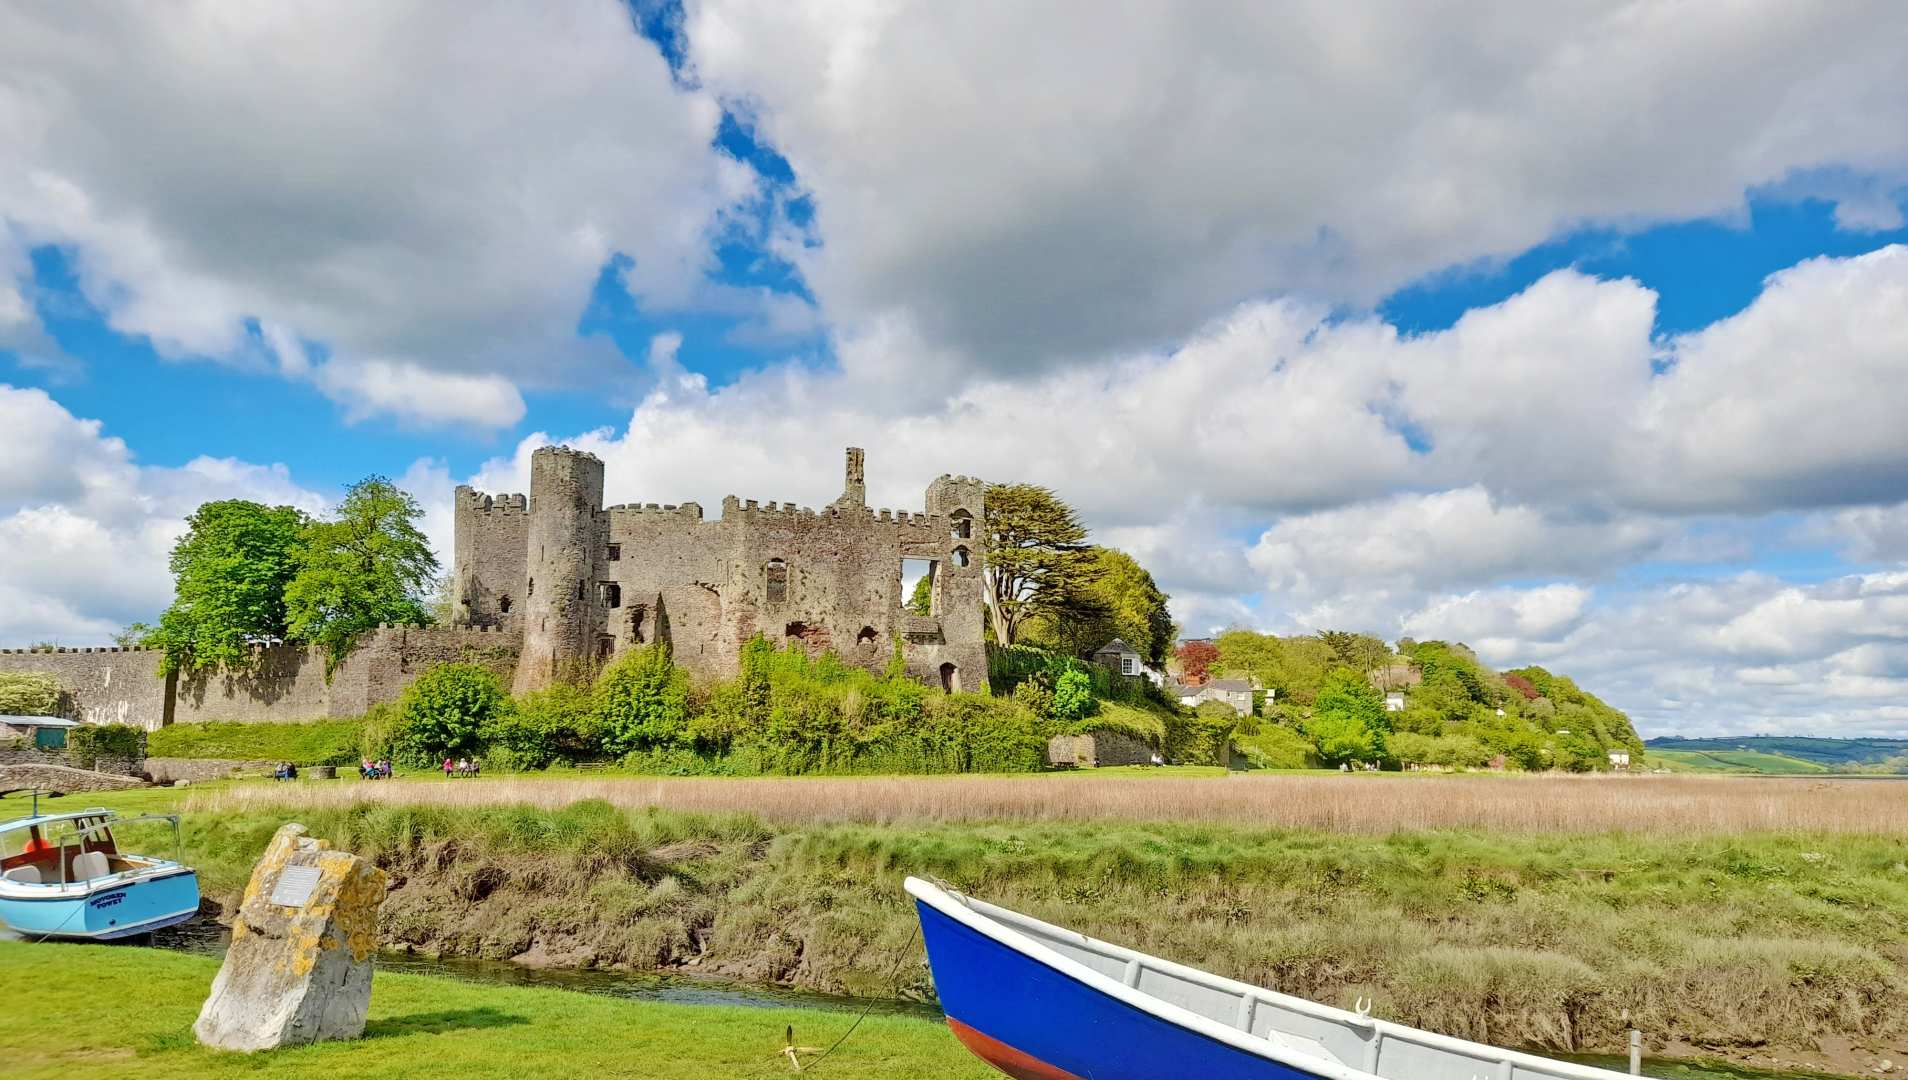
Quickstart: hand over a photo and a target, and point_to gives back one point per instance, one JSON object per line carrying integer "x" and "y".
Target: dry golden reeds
{"x": 1360, "y": 804}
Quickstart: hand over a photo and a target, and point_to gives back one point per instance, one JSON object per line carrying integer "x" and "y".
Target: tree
{"x": 136, "y": 635}
{"x": 445, "y": 712}
{"x": 1348, "y": 721}
{"x": 1119, "y": 600}
{"x": 1349, "y": 694}
{"x": 1362, "y": 653}
{"x": 369, "y": 565}
{"x": 1342, "y": 740}
{"x": 1196, "y": 658}
{"x": 30, "y": 693}
{"x": 230, "y": 571}
{"x": 1038, "y": 561}
{"x": 921, "y": 601}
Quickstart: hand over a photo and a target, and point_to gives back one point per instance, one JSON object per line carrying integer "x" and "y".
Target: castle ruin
{"x": 581, "y": 582}
{"x": 554, "y": 585}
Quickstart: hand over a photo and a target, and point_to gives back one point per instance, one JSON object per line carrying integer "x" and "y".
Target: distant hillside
{"x": 1828, "y": 754}
{"x": 1449, "y": 709}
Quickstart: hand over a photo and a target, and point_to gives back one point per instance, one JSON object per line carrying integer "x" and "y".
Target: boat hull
{"x": 116, "y": 909}
{"x": 1033, "y": 1022}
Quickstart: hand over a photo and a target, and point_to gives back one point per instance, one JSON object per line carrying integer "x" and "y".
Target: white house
{"x": 1394, "y": 701}
{"x": 1620, "y": 760}
{"x": 1234, "y": 692}
{"x": 1125, "y": 659}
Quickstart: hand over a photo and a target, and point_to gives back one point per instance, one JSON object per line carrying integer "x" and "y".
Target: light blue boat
{"x": 63, "y": 876}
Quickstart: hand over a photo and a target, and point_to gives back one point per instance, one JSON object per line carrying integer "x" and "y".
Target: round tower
{"x": 560, "y": 614}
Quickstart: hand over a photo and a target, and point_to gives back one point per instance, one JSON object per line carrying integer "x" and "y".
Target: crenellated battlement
{"x": 61, "y": 649}
{"x": 689, "y": 511}
{"x": 471, "y": 499}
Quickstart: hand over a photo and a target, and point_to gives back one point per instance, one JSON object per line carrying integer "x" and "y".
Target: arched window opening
{"x": 950, "y": 678}
{"x": 636, "y": 614}
{"x": 865, "y": 640}
{"x": 775, "y": 582}
{"x": 961, "y": 525}
{"x": 961, "y": 557}
{"x": 610, "y": 594}
{"x": 503, "y": 603}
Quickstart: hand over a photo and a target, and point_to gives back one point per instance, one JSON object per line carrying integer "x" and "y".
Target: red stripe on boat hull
{"x": 1005, "y": 1058}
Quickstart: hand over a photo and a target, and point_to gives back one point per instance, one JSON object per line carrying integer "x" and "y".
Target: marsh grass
{"x": 1369, "y": 804}
{"x": 1725, "y": 913}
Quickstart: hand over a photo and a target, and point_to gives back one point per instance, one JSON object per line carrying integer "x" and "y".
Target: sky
{"x": 1576, "y": 332}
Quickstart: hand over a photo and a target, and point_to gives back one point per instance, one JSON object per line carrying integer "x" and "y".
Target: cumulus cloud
{"x": 427, "y": 192}
{"x": 1790, "y": 402}
{"x": 1039, "y": 182}
{"x": 85, "y": 529}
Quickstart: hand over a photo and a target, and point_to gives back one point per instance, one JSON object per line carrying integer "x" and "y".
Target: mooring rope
{"x": 894, "y": 985}
{"x": 791, "y": 1051}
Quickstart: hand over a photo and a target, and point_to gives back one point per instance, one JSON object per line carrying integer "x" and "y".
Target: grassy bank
{"x": 94, "y": 1011}
{"x": 314, "y": 742}
{"x": 1708, "y": 931}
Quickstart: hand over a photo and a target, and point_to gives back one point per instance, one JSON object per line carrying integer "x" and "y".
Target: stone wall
{"x": 18, "y": 752}
{"x": 288, "y": 683}
{"x": 1097, "y": 748}
{"x": 104, "y": 686}
{"x": 164, "y": 770}
{"x": 62, "y": 779}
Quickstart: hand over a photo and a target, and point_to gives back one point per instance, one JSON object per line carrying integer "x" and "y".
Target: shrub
{"x": 30, "y": 693}
{"x": 1275, "y": 746}
{"x": 88, "y": 743}
{"x": 1201, "y": 737}
{"x": 377, "y": 739}
{"x": 1072, "y": 697}
{"x": 444, "y": 713}
{"x": 642, "y": 700}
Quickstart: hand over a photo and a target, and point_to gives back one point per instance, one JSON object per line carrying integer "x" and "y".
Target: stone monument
{"x": 299, "y": 969}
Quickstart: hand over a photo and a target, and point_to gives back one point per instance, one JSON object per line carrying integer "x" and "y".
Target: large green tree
{"x": 1038, "y": 561}
{"x": 229, "y": 571}
{"x": 1119, "y": 600}
{"x": 1348, "y": 721}
{"x": 367, "y": 565}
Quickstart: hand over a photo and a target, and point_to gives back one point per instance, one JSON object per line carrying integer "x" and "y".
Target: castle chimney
{"x": 854, "y": 491}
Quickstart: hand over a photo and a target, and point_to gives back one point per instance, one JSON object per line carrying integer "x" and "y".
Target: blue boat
{"x": 63, "y": 876}
{"x": 1040, "y": 1002}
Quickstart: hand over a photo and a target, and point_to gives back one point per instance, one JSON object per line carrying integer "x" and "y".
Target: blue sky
{"x": 1590, "y": 366}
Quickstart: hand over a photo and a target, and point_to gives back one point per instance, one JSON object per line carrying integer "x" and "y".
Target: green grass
{"x": 1735, "y": 761}
{"x": 81, "y": 1011}
{"x": 315, "y": 742}
{"x": 1542, "y": 940}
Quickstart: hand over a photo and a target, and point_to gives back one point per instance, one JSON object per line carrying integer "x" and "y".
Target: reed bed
{"x": 1376, "y": 805}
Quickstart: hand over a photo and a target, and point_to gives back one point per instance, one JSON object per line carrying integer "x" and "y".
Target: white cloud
{"x": 85, "y": 530}
{"x": 428, "y": 191}
{"x": 1033, "y": 182}
{"x": 1792, "y": 402}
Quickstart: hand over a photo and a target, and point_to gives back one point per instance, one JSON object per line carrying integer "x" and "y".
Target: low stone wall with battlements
{"x": 287, "y": 684}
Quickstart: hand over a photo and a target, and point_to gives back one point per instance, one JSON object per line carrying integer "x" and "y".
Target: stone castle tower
{"x": 581, "y": 582}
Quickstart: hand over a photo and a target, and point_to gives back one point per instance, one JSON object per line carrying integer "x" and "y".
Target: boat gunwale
{"x": 996, "y": 923}
{"x": 44, "y": 891}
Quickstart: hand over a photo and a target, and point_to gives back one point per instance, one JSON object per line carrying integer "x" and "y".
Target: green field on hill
{"x": 1735, "y": 761}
